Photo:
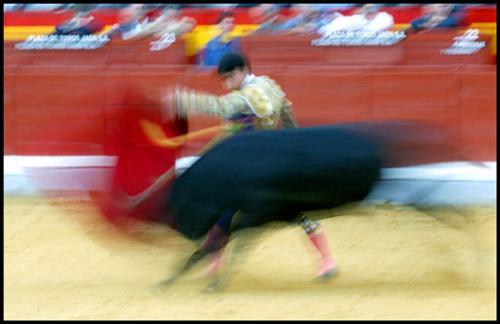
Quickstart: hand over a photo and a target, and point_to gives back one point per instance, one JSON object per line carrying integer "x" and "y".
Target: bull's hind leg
{"x": 317, "y": 237}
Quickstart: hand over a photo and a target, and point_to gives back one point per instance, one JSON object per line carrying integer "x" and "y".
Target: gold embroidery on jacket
{"x": 262, "y": 97}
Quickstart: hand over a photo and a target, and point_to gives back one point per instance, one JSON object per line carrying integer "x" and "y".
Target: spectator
{"x": 82, "y": 23}
{"x": 45, "y": 6}
{"x": 368, "y": 18}
{"x": 226, "y": 6}
{"x": 246, "y": 5}
{"x": 111, "y": 5}
{"x": 439, "y": 16}
{"x": 309, "y": 20}
{"x": 269, "y": 17}
{"x": 168, "y": 22}
{"x": 13, "y": 6}
{"x": 332, "y": 6}
{"x": 222, "y": 43}
{"x": 131, "y": 21}
{"x": 376, "y": 20}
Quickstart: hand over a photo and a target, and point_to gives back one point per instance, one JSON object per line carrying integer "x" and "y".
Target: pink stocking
{"x": 318, "y": 239}
{"x": 215, "y": 264}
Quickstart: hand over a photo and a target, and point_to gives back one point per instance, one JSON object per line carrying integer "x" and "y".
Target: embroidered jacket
{"x": 258, "y": 104}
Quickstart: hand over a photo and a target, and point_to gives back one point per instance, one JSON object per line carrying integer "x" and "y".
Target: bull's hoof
{"x": 161, "y": 285}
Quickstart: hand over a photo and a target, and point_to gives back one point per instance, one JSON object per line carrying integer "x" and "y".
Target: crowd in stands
{"x": 228, "y": 6}
{"x": 367, "y": 18}
{"x": 136, "y": 21}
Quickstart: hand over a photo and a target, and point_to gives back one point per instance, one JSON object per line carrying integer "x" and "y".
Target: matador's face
{"x": 234, "y": 79}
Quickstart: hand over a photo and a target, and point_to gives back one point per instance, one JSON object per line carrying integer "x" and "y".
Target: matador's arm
{"x": 249, "y": 101}
{"x": 286, "y": 116}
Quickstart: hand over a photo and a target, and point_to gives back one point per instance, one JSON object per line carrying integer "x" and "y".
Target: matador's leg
{"x": 217, "y": 240}
{"x": 244, "y": 240}
{"x": 317, "y": 237}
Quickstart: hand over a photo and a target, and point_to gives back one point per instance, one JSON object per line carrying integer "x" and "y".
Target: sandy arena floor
{"x": 395, "y": 263}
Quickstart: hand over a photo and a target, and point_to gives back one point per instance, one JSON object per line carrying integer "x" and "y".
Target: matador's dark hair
{"x": 231, "y": 61}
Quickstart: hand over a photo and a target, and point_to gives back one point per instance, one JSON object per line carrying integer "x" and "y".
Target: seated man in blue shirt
{"x": 220, "y": 44}
{"x": 439, "y": 16}
{"x": 82, "y": 23}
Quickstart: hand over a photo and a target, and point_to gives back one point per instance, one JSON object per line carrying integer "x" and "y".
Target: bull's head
{"x": 147, "y": 146}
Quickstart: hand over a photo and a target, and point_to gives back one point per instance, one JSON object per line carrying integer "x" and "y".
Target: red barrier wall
{"x": 43, "y": 102}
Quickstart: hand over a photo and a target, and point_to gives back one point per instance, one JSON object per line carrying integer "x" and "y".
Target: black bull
{"x": 274, "y": 175}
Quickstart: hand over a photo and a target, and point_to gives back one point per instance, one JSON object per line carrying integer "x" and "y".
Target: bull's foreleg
{"x": 317, "y": 237}
{"x": 217, "y": 239}
{"x": 197, "y": 256}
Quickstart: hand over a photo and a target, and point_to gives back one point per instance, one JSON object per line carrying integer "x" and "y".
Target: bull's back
{"x": 275, "y": 174}
{"x": 304, "y": 169}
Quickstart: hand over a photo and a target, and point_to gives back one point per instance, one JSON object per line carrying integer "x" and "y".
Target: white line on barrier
{"x": 454, "y": 171}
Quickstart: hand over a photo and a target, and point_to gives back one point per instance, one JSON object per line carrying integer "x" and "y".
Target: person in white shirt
{"x": 368, "y": 18}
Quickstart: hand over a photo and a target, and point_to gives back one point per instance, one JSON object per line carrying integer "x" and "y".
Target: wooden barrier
{"x": 478, "y": 118}
{"x": 297, "y": 49}
{"x": 426, "y": 48}
{"x": 50, "y": 101}
{"x": 117, "y": 51}
{"x": 419, "y": 48}
{"x": 64, "y": 110}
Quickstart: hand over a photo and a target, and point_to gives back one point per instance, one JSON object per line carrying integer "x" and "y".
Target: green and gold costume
{"x": 259, "y": 104}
